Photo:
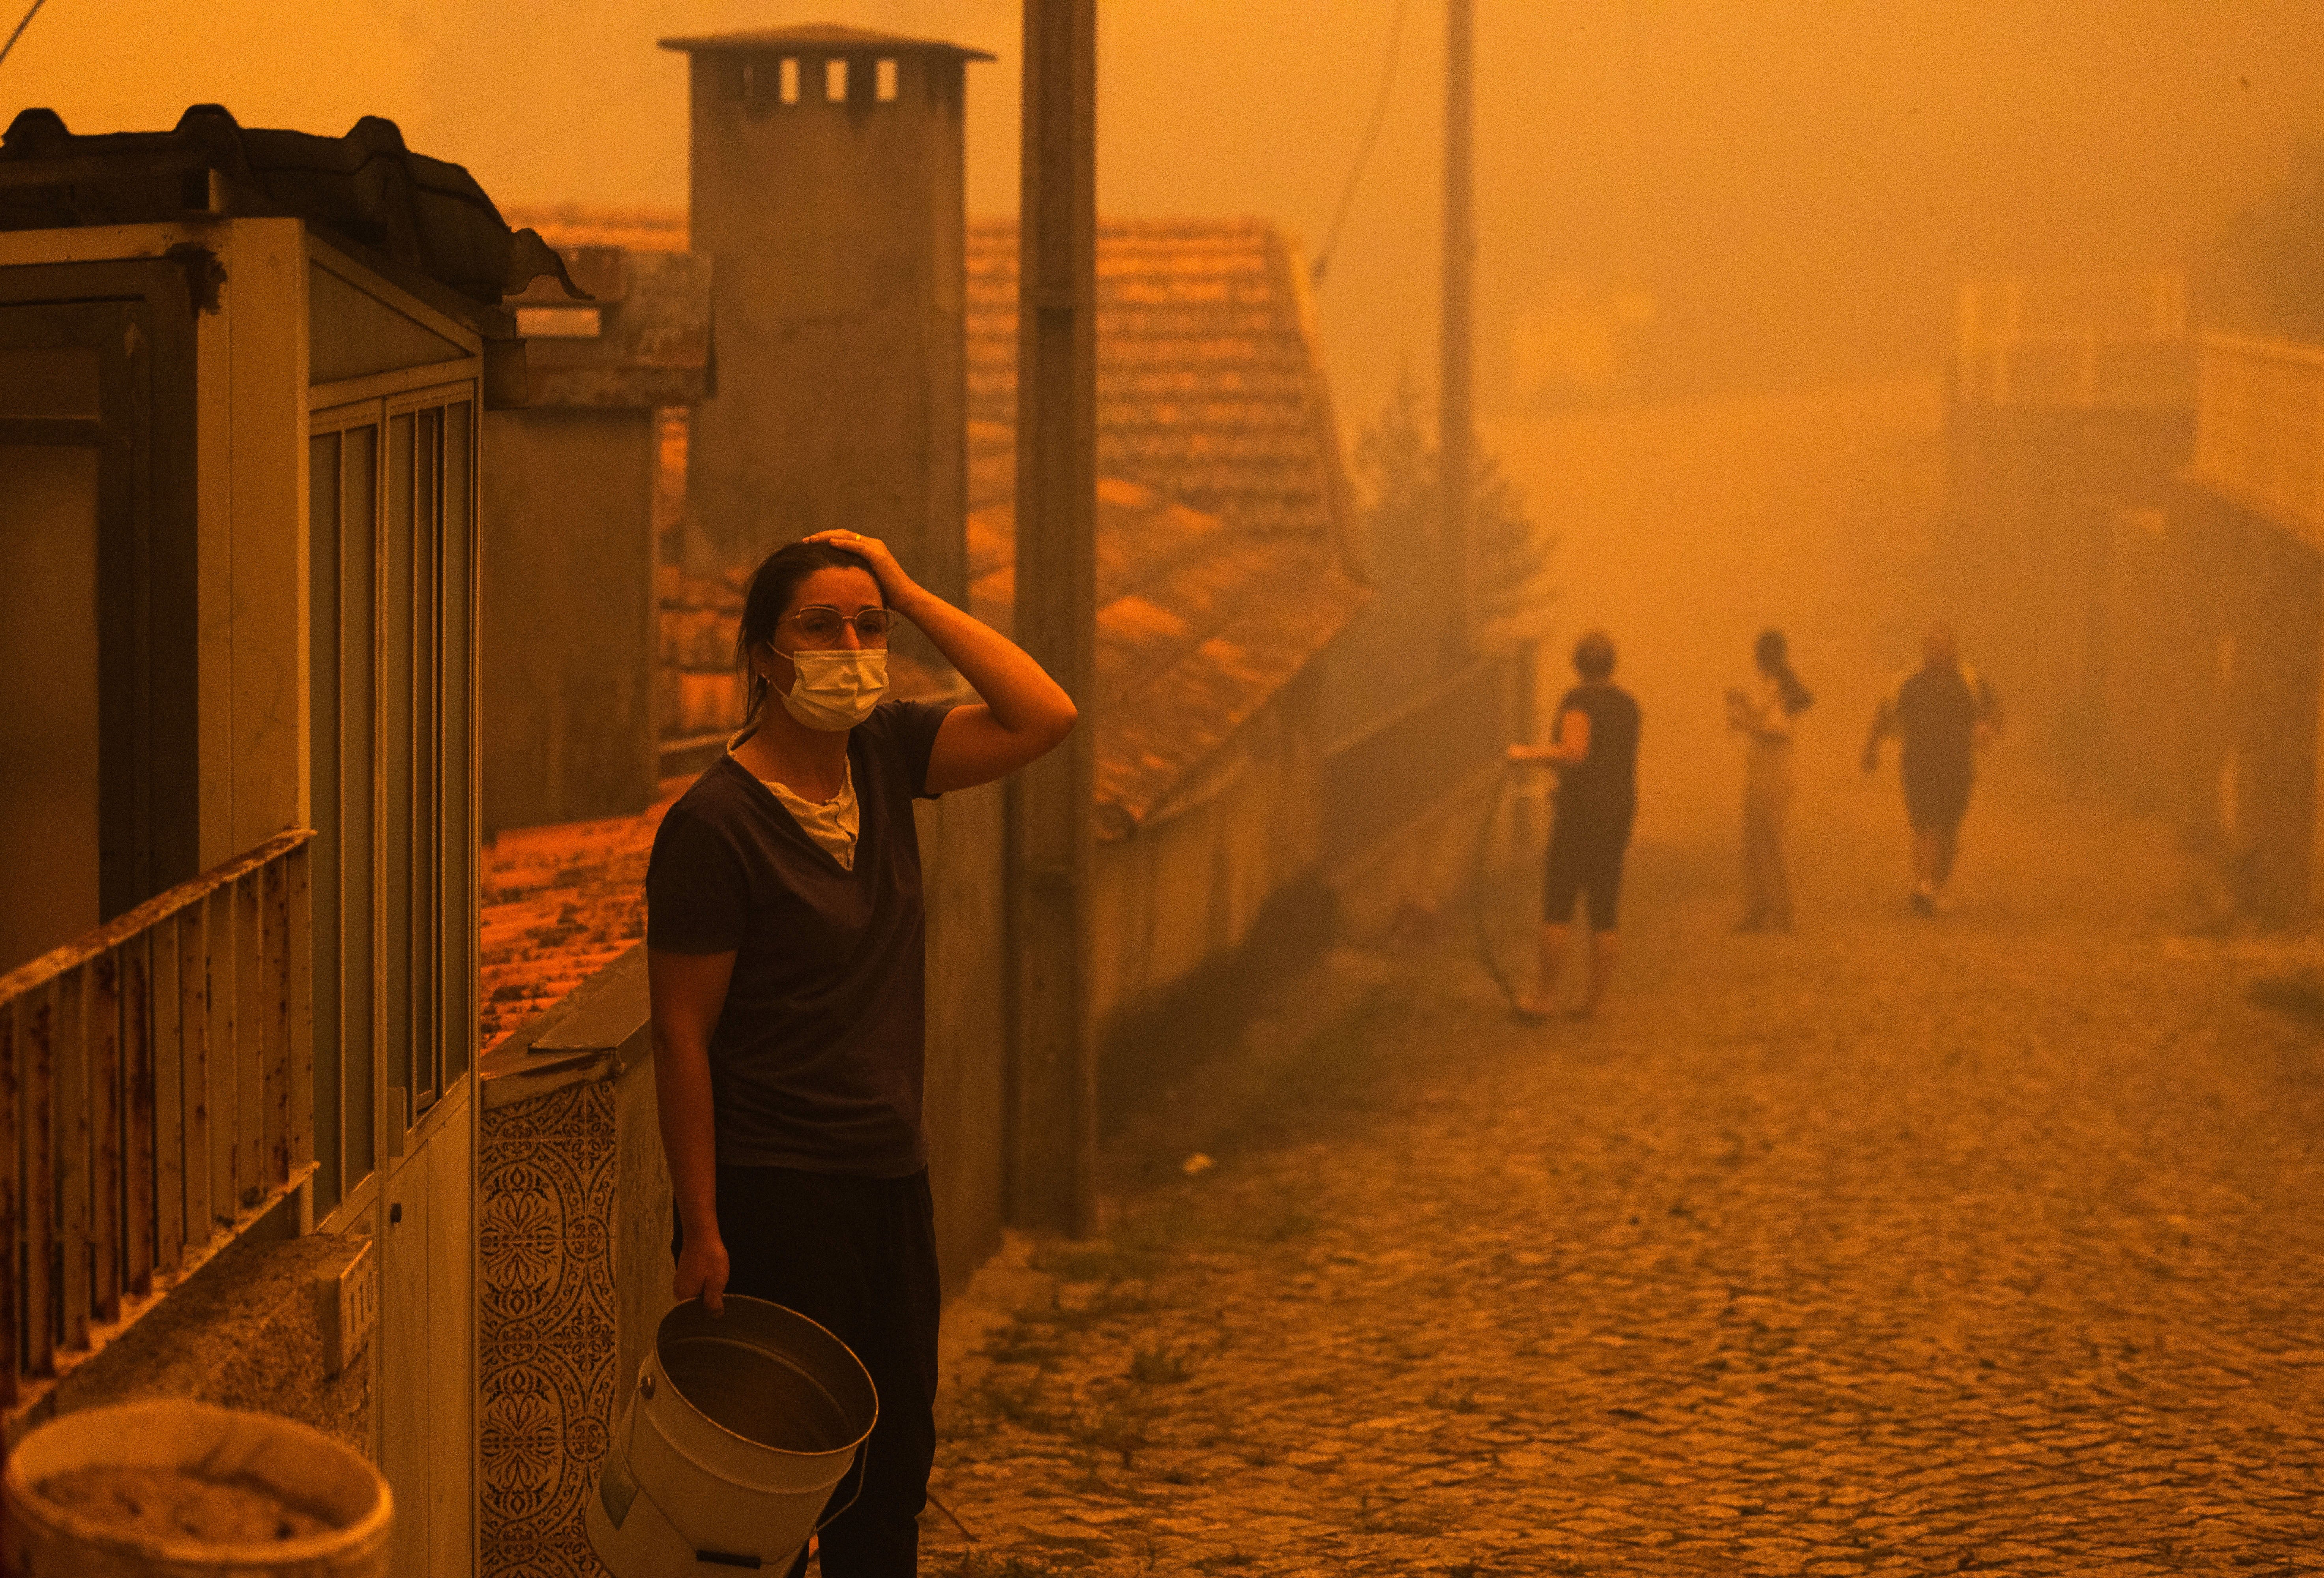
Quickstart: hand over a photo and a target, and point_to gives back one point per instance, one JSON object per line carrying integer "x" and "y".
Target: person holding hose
{"x": 1764, "y": 717}
{"x": 1594, "y": 749}
{"x": 784, "y": 955}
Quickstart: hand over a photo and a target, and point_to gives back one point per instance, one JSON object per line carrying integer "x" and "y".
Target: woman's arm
{"x": 1884, "y": 723}
{"x": 688, "y": 990}
{"x": 1021, "y": 715}
{"x": 1571, "y": 746}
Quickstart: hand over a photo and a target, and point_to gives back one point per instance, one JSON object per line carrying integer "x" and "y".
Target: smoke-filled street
{"x": 1985, "y": 1242}
{"x": 1886, "y": 1246}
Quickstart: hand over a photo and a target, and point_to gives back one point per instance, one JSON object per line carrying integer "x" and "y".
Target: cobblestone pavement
{"x": 1988, "y": 1243}
{"x": 1992, "y": 1243}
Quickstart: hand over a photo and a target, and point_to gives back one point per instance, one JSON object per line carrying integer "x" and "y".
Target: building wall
{"x": 225, "y": 574}
{"x": 2221, "y": 646}
{"x": 836, "y": 232}
{"x": 1188, "y": 885}
{"x": 566, "y": 603}
{"x": 2029, "y": 494}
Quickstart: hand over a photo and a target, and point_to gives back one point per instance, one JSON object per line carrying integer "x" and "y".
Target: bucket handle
{"x": 862, "y": 1454}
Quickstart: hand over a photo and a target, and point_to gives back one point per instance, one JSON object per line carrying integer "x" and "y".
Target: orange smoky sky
{"x": 1775, "y": 192}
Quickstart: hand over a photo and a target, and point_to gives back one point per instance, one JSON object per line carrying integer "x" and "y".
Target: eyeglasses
{"x": 820, "y": 626}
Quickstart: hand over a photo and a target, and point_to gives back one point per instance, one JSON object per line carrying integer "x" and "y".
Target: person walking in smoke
{"x": 1594, "y": 749}
{"x": 1944, "y": 712}
{"x": 785, "y": 942}
{"x": 1764, "y": 717}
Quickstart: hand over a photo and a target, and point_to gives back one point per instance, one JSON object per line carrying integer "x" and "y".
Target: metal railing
{"x": 156, "y": 1096}
{"x": 2259, "y": 428}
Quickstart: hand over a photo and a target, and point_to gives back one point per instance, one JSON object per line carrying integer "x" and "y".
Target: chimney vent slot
{"x": 834, "y": 81}
{"x": 883, "y": 77}
{"x": 789, "y": 74}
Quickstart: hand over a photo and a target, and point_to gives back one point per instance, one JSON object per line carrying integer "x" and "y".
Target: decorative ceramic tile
{"x": 547, "y": 1328}
{"x": 587, "y": 1108}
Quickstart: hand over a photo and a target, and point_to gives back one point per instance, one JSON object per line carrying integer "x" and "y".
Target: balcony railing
{"x": 2100, "y": 342}
{"x": 2259, "y": 428}
{"x": 156, "y": 1097}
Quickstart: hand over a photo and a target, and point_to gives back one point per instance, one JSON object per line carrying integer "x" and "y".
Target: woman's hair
{"x": 1773, "y": 652}
{"x": 772, "y": 590}
{"x": 1593, "y": 655}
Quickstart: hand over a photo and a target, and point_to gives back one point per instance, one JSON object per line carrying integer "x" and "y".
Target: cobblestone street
{"x": 1991, "y": 1242}
{"x": 1890, "y": 1247}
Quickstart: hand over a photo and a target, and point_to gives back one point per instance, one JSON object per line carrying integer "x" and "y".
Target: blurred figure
{"x": 1594, "y": 748}
{"x": 1945, "y": 712}
{"x": 1763, "y": 716}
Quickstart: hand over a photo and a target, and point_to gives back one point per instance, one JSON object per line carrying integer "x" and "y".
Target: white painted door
{"x": 427, "y": 1336}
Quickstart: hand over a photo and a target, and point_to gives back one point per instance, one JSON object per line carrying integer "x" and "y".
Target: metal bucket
{"x": 739, "y": 1431}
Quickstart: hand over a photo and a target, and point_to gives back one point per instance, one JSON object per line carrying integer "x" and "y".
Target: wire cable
{"x": 21, "y": 26}
{"x": 1363, "y": 148}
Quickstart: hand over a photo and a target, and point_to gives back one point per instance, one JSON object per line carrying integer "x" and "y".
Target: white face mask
{"x": 836, "y": 689}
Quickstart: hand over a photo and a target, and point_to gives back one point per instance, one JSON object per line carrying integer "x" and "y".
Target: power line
{"x": 1364, "y": 149}
{"x": 21, "y": 26}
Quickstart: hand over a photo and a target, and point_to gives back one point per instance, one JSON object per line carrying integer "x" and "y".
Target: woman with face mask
{"x": 784, "y": 949}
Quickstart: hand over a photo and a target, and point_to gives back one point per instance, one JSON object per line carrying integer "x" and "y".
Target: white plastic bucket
{"x": 741, "y": 1428}
{"x": 303, "y": 1465}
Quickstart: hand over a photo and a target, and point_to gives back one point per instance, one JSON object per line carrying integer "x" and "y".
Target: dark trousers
{"x": 857, "y": 1256}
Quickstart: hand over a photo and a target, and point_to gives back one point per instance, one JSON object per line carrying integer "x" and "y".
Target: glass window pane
{"x": 428, "y": 833}
{"x": 323, "y": 708}
{"x": 457, "y": 981}
{"x": 359, "y": 840}
{"x": 396, "y": 832}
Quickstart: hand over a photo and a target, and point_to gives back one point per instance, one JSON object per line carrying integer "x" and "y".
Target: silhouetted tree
{"x": 1396, "y": 470}
{"x": 2266, "y": 268}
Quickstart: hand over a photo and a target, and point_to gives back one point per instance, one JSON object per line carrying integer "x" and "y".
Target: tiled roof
{"x": 1200, "y": 624}
{"x": 567, "y": 225}
{"x": 367, "y": 191}
{"x": 559, "y": 904}
{"x": 1210, "y": 386}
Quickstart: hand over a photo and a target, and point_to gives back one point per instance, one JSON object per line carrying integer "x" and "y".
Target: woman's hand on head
{"x": 702, "y": 1270}
{"x": 894, "y": 583}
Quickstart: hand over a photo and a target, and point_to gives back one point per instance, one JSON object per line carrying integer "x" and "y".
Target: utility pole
{"x": 1455, "y": 399}
{"x": 1053, "y": 1092}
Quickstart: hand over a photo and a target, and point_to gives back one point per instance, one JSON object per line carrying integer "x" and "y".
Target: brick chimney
{"x": 827, "y": 189}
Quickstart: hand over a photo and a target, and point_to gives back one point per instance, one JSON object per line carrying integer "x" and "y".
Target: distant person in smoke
{"x": 1594, "y": 749}
{"x": 1944, "y": 712}
{"x": 785, "y": 957}
{"x": 1763, "y": 715}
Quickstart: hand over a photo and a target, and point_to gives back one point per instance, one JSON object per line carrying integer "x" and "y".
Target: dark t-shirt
{"x": 1937, "y": 711}
{"x": 816, "y": 1060}
{"x": 1605, "y": 783}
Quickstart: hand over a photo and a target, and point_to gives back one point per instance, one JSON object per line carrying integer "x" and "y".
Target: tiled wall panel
{"x": 547, "y": 1327}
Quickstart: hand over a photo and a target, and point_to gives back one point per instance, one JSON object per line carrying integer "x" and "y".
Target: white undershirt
{"x": 833, "y": 824}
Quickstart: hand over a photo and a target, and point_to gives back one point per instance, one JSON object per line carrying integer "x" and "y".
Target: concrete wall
{"x": 962, "y": 845}
{"x": 2215, "y": 652}
{"x": 836, "y": 236}
{"x": 566, "y": 605}
{"x": 1190, "y": 883}
{"x": 249, "y": 1330}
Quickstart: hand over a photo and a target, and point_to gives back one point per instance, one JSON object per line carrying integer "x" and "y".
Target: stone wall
{"x": 249, "y": 1330}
